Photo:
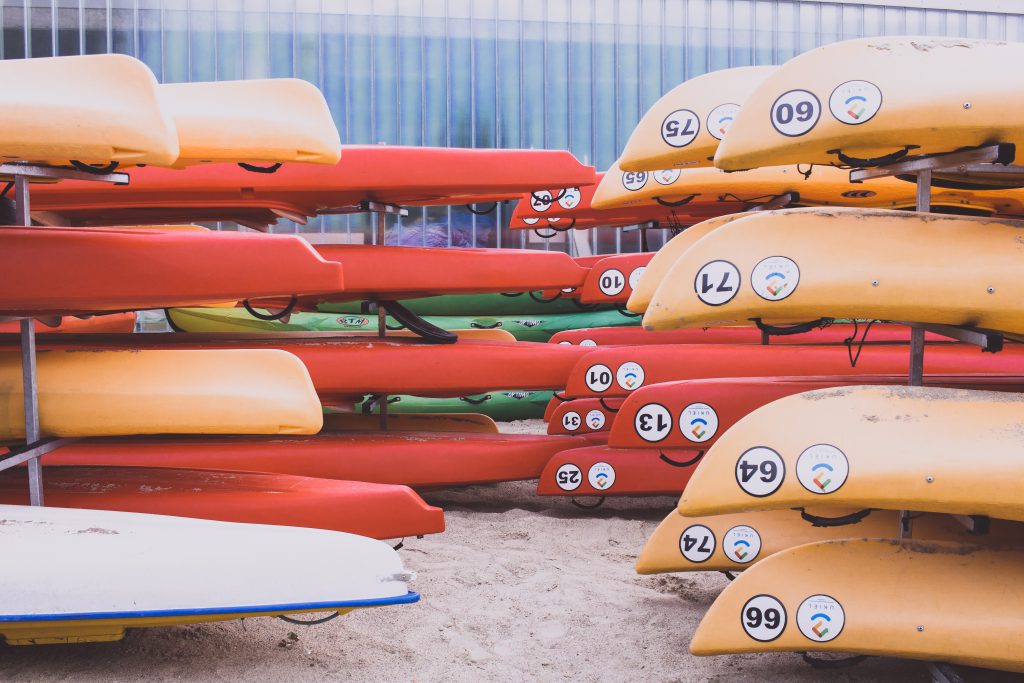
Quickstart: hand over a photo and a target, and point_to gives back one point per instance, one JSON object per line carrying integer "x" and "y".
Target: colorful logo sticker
{"x": 697, "y": 543}
{"x": 760, "y": 471}
{"x": 596, "y": 420}
{"x": 795, "y": 112}
{"x": 720, "y": 118}
{"x": 601, "y": 476}
{"x": 540, "y": 201}
{"x": 855, "y": 102}
{"x": 717, "y": 282}
{"x": 568, "y": 477}
{"x": 653, "y": 422}
{"x": 598, "y": 378}
{"x": 666, "y": 176}
{"x": 680, "y": 128}
{"x": 741, "y": 544}
{"x": 629, "y": 376}
{"x": 634, "y": 180}
{"x": 634, "y": 277}
{"x": 571, "y": 421}
{"x": 775, "y": 278}
{"x": 570, "y": 198}
{"x": 822, "y": 469}
{"x": 764, "y": 618}
{"x": 820, "y": 618}
{"x": 353, "y": 321}
{"x": 698, "y": 422}
{"x": 611, "y": 282}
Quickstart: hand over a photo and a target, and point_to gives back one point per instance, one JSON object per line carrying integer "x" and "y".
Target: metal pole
{"x": 30, "y": 387}
{"x": 382, "y": 318}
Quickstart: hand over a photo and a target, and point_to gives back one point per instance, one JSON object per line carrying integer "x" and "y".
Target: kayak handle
{"x": 562, "y": 399}
{"x": 478, "y": 326}
{"x": 511, "y": 295}
{"x": 475, "y": 401}
{"x": 554, "y": 230}
{"x": 676, "y": 463}
{"x": 857, "y": 162}
{"x": 94, "y": 170}
{"x": 394, "y": 328}
{"x": 418, "y": 325}
{"x": 311, "y": 622}
{"x": 796, "y": 328}
{"x": 606, "y": 406}
{"x": 475, "y": 212}
{"x": 547, "y": 200}
{"x": 852, "y": 518}
{"x": 623, "y": 311}
{"x": 259, "y": 169}
{"x": 283, "y": 313}
{"x": 681, "y": 202}
{"x": 594, "y": 506}
{"x": 823, "y": 663}
{"x": 542, "y": 300}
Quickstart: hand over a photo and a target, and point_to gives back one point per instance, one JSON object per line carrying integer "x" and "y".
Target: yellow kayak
{"x": 803, "y": 264}
{"x": 113, "y": 393}
{"x": 917, "y": 600}
{"x": 684, "y": 127}
{"x": 896, "y": 448}
{"x": 872, "y": 100}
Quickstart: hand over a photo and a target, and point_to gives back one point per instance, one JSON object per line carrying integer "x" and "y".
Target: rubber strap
{"x": 581, "y": 506}
{"x": 806, "y": 174}
{"x": 676, "y": 463}
{"x": 399, "y": 545}
{"x": 170, "y": 322}
{"x": 857, "y": 162}
{"x": 283, "y": 313}
{"x": 394, "y": 328}
{"x": 854, "y": 357}
{"x": 681, "y": 202}
{"x": 475, "y": 401}
{"x": 418, "y": 325}
{"x": 538, "y": 233}
{"x": 478, "y": 326}
{"x": 797, "y": 328}
{"x": 259, "y": 169}
{"x": 542, "y": 300}
{"x": 842, "y": 663}
{"x": 606, "y": 406}
{"x": 554, "y": 198}
{"x": 562, "y": 399}
{"x": 494, "y": 206}
{"x": 311, "y": 622}
{"x": 623, "y": 311}
{"x": 512, "y": 294}
{"x": 852, "y": 518}
{"x": 94, "y": 170}
{"x": 729, "y": 575}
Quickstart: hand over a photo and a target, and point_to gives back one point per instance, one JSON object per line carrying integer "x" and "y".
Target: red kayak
{"x": 375, "y": 510}
{"x": 347, "y": 368}
{"x": 694, "y": 413}
{"x": 379, "y": 173}
{"x": 606, "y": 471}
{"x": 122, "y": 323}
{"x": 421, "y": 460}
{"x": 635, "y": 336}
{"x": 611, "y": 280}
{"x": 582, "y": 416}
{"x": 62, "y": 271}
{"x": 619, "y": 370}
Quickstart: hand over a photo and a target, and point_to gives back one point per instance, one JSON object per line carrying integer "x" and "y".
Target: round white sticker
{"x": 717, "y": 282}
{"x": 795, "y": 112}
{"x": 634, "y": 180}
{"x": 764, "y": 618}
{"x": 601, "y": 476}
{"x": 820, "y": 618}
{"x": 697, "y": 543}
{"x": 629, "y": 376}
{"x": 540, "y": 201}
{"x": 588, "y": 342}
{"x": 666, "y": 176}
{"x": 741, "y": 544}
{"x": 568, "y": 477}
{"x": 760, "y": 471}
{"x": 775, "y": 278}
{"x": 565, "y": 342}
{"x": 571, "y": 421}
{"x": 698, "y": 422}
{"x": 554, "y": 219}
{"x": 855, "y": 102}
{"x": 634, "y": 277}
{"x": 531, "y": 220}
{"x": 611, "y": 282}
{"x": 653, "y": 422}
{"x": 680, "y": 128}
{"x": 570, "y": 199}
{"x": 598, "y": 378}
{"x": 720, "y": 118}
{"x": 822, "y": 469}
{"x": 595, "y": 420}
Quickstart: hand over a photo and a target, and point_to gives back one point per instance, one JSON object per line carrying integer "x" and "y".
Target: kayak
{"x": 739, "y": 272}
{"x": 374, "y": 510}
{"x": 617, "y": 371}
{"x": 611, "y": 280}
{"x": 62, "y": 271}
{"x": 683, "y": 128}
{"x": 422, "y": 460}
{"x": 498, "y": 405}
{"x": 918, "y": 600}
{"x": 582, "y": 416}
{"x": 219, "y": 570}
{"x": 600, "y": 470}
{"x": 894, "y": 448}
{"x": 836, "y": 333}
{"x": 870, "y": 101}
{"x": 112, "y": 322}
{"x": 472, "y": 305}
{"x": 107, "y": 392}
{"x": 410, "y": 422}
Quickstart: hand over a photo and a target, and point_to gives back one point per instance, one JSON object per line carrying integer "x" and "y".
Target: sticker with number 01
{"x": 795, "y": 113}
{"x": 760, "y": 471}
{"x": 653, "y": 422}
{"x": 598, "y": 378}
{"x": 717, "y": 282}
{"x": 697, "y": 543}
{"x": 764, "y": 618}
{"x": 680, "y": 128}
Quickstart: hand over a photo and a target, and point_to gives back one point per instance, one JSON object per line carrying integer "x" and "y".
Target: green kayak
{"x": 475, "y": 305}
{"x": 498, "y": 405}
{"x": 523, "y": 328}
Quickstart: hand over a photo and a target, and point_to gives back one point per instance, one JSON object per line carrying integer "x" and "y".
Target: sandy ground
{"x": 518, "y": 588}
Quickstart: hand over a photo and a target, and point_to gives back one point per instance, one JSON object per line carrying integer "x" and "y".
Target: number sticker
{"x": 760, "y": 471}
{"x": 855, "y": 102}
{"x": 633, "y": 181}
{"x": 634, "y": 277}
{"x": 588, "y": 342}
{"x": 570, "y": 199}
{"x": 717, "y": 283}
{"x": 822, "y": 469}
{"x": 764, "y": 618}
{"x": 601, "y": 476}
{"x": 741, "y": 544}
{"x": 571, "y": 421}
{"x": 629, "y": 376}
{"x": 611, "y": 282}
{"x": 697, "y": 543}
{"x": 666, "y": 176}
{"x": 653, "y": 422}
{"x": 720, "y": 118}
{"x": 680, "y": 128}
{"x": 820, "y": 618}
{"x": 568, "y": 477}
{"x": 795, "y": 112}
{"x": 596, "y": 420}
{"x": 599, "y": 378}
{"x": 775, "y": 278}
{"x": 698, "y": 422}
{"x": 540, "y": 201}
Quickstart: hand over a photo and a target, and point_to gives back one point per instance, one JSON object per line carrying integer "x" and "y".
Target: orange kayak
{"x": 634, "y": 336}
{"x": 375, "y": 510}
{"x": 582, "y": 416}
{"x": 113, "y": 322}
{"x": 605, "y": 471}
{"x": 612, "y": 278}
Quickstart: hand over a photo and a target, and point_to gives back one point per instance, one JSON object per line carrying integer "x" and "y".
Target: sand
{"x": 518, "y": 588}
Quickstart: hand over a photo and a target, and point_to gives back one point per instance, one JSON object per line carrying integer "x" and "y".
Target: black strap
{"x": 512, "y": 294}
{"x": 857, "y": 162}
{"x": 394, "y": 328}
{"x": 581, "y": 506}
{"x": 606, "y": 406}
{"x": 852, "y": 518}
{"x": 681, "y": 202}
{"x": 475, "y": 401}
{"x": 283, "y": 313}
{"x": 538, "y": 233}
{"x": 541, "y": 300}
{"x": 860, "y": 346}
{"x": 729, "y": 575}
{"x": 418, "y": 325}
{"x": 623, "y": 311}
{"x": 478, "y": 326}
{"x": 94, "y": 170}
{"x": 676, "y": 463}
{"x": 796, "y": 328}
{"x": 259, "y": 169}
{"x": 310, "y": 622}
{"x": 829, "y": 663}
{"x": 552, "y": 199}
{"x": 561, "y": 399}
{"x": 806, "y": 174}
{"x": 170, "y": 321}
{"x": 494, "y": 206}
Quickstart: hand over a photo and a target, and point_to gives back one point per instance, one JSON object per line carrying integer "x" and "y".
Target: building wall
{"x": 561, "y": 74}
